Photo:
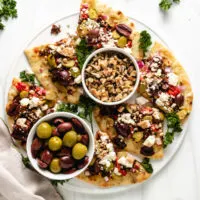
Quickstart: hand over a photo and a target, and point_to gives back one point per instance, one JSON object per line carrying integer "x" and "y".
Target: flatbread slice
{"x": 47, "y": 63}
{"x": 137, "y": 129}
{"x": 101, "y": 26}
{"x": 110, "y": 169}
{"x": 165, "y": 82}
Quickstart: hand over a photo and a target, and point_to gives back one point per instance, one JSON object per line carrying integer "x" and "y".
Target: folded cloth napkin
{"x": 16, "y": 181}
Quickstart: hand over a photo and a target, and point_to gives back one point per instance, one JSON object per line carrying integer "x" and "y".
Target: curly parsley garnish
{"x": 7, "y": 10}
{"x": 56, "y": 182}
{"x": 173, "y": 127}
{"x": 145, "y": 41}
{"x": 166, "y": 4}
{"x": 83, "y": 109}
{"x": 27, "y": 77}
{"x": 147, "y": 165}
{"x": 82, "y": 52}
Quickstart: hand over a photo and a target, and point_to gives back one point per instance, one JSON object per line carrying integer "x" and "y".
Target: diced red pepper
{"x": 99, "y": 45}
{"x": 174, "y": 91}
{"x": 84, "y": 6}
{"x": 122, "y": 171}
{"x": 129, "y": 43}
{"x": 84, "y": 16}
{"x": 153, "y": 128}
{"x": 40, "y": 91}
{"x": 22, "y": 86}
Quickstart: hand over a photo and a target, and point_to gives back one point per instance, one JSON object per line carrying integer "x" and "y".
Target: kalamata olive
{"x": 34, "y": 153}
{"x": 64, "y": 127}
{"x": 64, "y": 152}
{"x": 78, "y": 126}
{"x": 46, "y": 156}
{"x": 93, "y": 33}
{"x": 94, "y": 169}
{"x": 147, "y": 151}
{"x": 123, "y": 29}
{"x": 42, "y": 164}
{"x": 55, "y": 132}
{"x": 119, "y": 142}
{"x": 83, "y": 162}
{"x": 122, "y": 129}
{"x": 70, "y": 171}
{"x": 67, "y": 162}
{"x": 85, "y": 139}
{"x": 179, "y": 100}
{"x": 58, "y": 121}
{"x": 36, "y": 145}
{"x": 13, "y": 109}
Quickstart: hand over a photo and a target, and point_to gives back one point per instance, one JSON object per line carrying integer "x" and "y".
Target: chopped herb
{"x": 83, "y": 109}
{"x": 27, "y": 77}
{"x": 145, "y": 41}
{"x": 165, "y": 5}
{"x": 173, "y": 126}
{"x": 56, "y": 182}
{"x": 176, "y": 1}
{"x": 147, "y": 165}
{"x": 26, "y": 161}
{"x": 7, "y": 10}
{"x": 82, "y": 52}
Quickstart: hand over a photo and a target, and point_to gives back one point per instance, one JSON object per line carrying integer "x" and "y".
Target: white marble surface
{"x": 180, "y": 28}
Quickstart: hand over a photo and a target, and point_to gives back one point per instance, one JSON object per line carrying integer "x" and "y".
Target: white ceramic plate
{"x": 43, "y": 37}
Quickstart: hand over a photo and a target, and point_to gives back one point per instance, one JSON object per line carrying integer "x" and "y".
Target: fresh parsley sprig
{"x": 82, "y": 52}
{"x": 56, "y": 182}
{"x": 145, "y": 41}
{"x": 7, "y": 10}
{"x": 147, "y": 165}
{"x": 83, "y": 109}
{"x": 173, "y": 127}
{"x": 27, "y": 77}
{"x": 166, "y": 4}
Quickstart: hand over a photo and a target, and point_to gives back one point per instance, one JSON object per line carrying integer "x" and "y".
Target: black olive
{"x": 122, "y": 129}
{"x": 147, "y": 151}
{"x": 179, "y": 100}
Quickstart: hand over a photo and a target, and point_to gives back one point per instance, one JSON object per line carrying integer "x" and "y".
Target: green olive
{"x": 137, "y": 136}
{"x": 122, "y": 42}
{"x": 51, "y": 60}
{"x": 142, "y": 88}
{"x": 23, "y": 94}
{"x": 55, "y": 143}
{"x": 75, "y": 71}
{"x": 69, "y": 139}
{"x": 69, "y": 63}
{"x": 150, "y": 118}
{"x": 55, "y": 165}
{"x": 79, "y": 151}
{"x": 115, "y": 35}
{"x": 161, "y": 115}
{"x": 110, "y": 168}
{"x": 44, "y": 130}
{"x": 93, "y": 14}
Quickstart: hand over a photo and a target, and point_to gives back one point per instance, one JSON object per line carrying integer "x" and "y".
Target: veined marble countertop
{"x": 180, "y": 28}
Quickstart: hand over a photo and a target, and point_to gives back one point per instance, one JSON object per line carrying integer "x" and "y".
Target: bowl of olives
{"x": 60, "y": 145}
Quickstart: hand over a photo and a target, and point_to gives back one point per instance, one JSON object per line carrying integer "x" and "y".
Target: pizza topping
{"x": 24, "y": 102}
{"x": 104, "y": 77}
{"x": 123, "y": 29}
{"x": 150, "y": 141}
{"x": 141, "y": 100}
{"x": 55, "y": 29}
{"x": 21, "y": 122}
{"x": 172, "y": 79}
{"x": 126, "y": 161}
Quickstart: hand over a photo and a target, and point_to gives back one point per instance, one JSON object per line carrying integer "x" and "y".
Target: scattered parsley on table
{"x": 166, "y": 4}
{"x": 7, "y": 10}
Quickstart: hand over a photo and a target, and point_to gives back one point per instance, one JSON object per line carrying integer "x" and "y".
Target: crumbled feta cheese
{"x": 158, "y": 141}
{"x": 109, "y": 146}
{"x": 91, "y": 24}
{"x": 125, "y": 162}
{"x": 75, "y": 69}
{"x": 77, "y": 79}
{"x": 24, "y": 102}
{"x": 158, "y": 73}
{"x": 21, "y": 122}
{"x": 38, "y": 112}
{"x": 172, "y": 79}
{"x": 163, "y": 98}
{"x": 116, "y": 171}
{"x": 126, "y": 118}
{"x": 150, "y": 141}
{"x": 156, "y": 113}
{"x": 104, "y": 138}
{"x": 44, "y": 107}
{"x": 78, "y": 41}
{"x": 34, "y": 102}
{"x": 108, "y": 158}
{"x": 141, "y": 100}
{"x": 144, "y": 124}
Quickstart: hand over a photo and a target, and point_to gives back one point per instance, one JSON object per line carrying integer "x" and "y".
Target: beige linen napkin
{"x": 16, "y": 181}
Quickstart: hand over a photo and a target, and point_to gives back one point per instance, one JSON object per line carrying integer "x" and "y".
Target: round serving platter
{"x": 69, "y": 23}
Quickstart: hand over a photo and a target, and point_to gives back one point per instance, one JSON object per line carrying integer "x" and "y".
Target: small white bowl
{"x": 117, "y": 50}
{"x": 45, "y": 172}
